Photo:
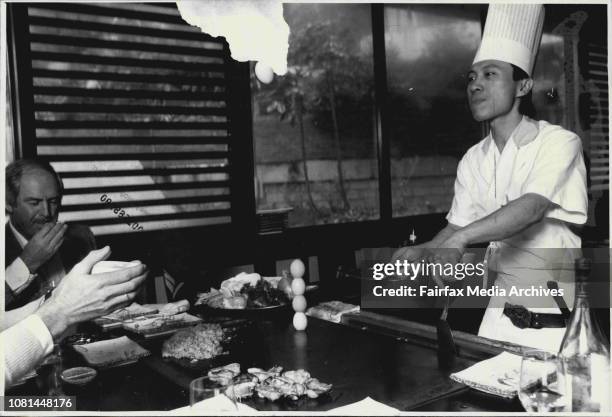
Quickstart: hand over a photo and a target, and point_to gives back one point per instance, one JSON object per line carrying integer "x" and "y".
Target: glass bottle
{"x": 585, "y": 352}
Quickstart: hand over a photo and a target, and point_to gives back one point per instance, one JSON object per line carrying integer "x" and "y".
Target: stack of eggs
{"x": 298, "y": 286}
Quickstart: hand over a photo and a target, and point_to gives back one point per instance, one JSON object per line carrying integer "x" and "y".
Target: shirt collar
{"x": 20, "y": 238}
{"x": 525, "y": 132}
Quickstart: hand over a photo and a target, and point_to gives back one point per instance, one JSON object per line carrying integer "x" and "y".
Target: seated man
{"x": 38, "y": 250}
{"x": 78, "y": 298}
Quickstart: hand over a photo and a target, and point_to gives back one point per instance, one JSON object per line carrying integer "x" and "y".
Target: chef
{"x": 522, "y": 188}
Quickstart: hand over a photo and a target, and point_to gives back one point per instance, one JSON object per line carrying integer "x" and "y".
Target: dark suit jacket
{"x": 78, "y": 242}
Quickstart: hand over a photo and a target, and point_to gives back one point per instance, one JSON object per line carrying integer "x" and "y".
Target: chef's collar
{"x": 20, "y": 238}
{"x": 525, "y": 132}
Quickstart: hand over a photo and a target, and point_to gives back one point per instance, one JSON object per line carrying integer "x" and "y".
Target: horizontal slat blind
{"x": 597, "y": 56}
{"x": 130, "y": 108}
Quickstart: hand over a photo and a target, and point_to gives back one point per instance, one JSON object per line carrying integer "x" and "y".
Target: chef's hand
{"x": 450, "y": 252}
{"x": 411, "y": 254}
{"x": 43, "y": 245}
{"x": 81, "y": 296}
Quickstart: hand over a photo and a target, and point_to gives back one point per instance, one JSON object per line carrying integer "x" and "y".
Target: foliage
{"x": 322, "y": 56}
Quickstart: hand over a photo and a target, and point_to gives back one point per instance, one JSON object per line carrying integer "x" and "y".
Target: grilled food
{"x": 245, "y": 291}
{"x": 225, "y": 374}
{"x": 270, "y": 384}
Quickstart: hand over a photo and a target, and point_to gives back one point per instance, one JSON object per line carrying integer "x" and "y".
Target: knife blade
{"x": 447, "y": 350}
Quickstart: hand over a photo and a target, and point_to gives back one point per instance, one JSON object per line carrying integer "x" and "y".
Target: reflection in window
{"x": 429, "y": 50}
{"x": 312, "y": 128}
{"x": 549, "y": 80}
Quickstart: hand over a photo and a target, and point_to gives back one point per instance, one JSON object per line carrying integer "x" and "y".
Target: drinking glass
{"x": 204, "y": 388}
{"x": 541, "y": 384}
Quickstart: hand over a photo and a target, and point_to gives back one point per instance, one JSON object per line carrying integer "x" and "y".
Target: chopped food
{"x": 262, "y": 375}
{"x": 276, "y": 370}
{"x": 299, "y": 377}
{"x": 259, "y": 374}
{"x": 263, "y": 295}
{"x": 267, "y": 392}
{"x": 195, "y": 343}
{"x": 241, "y": 390}
{"x": 245, "y": 291}
{"x": 317, "y": 386}
{"x": 238, "y": 302}
{"x": 269, "y": 384}
{"x": 225, "y": 374}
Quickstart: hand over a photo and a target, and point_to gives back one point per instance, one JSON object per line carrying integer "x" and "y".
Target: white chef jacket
{"x": 538, "y": 158}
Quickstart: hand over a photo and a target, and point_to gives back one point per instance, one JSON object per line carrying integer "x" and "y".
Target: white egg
{"x": 299, "y": 303}
{"x": 297, "y": 268}
{"x": 300, "y": 321}
{"x": 264, "y": 73}
{"x": 298, "y": 286}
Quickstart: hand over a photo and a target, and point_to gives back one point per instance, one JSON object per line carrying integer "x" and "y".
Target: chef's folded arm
{"x": 555, "y": 188}
{"x": 503, "y": 223}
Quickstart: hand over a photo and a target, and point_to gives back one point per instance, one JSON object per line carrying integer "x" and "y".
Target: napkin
{"x": 215, "y": 405}
{"x": 498, "y": 375}
{"x": 332, "y": 310}
{"x": 367, "y": 406}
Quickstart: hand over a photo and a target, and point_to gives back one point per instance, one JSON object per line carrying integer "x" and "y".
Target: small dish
{"x": 79, "y": 375}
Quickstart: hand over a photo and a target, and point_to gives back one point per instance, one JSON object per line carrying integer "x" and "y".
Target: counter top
{"x": 357, "y": 357}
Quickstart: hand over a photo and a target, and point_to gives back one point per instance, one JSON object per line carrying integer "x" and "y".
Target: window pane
{"x": 429, "y": 50}
{"x": 549, "y": 80}
{"x": 313, "y": 131}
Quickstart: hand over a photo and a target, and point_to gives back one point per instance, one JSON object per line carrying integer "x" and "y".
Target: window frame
{"x": 240, "y": 153}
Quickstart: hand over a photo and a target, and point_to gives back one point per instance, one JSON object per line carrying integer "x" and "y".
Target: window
{"x": 429, "y": 50}
{"x": 130, "y": 106}
{"x": 313, "y": 132}
{"x": 598, "y": 93}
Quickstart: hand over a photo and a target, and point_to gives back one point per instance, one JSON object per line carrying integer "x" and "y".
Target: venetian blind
{"x": 597, "y": 56}
{"x": 130, "y": 108}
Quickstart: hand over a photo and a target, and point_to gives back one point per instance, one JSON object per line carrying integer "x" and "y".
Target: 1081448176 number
{"x": 42, "y": 403}
{"x": 120, "y": 212}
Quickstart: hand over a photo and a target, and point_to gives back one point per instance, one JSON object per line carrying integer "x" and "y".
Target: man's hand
{"x": 451, "y": 252}
{"x": 81, "y": 296}
{"x": 43, "y": 245}
{"x": 410, "y": 254}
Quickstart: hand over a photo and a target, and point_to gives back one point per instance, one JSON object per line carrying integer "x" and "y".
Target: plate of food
{"x": 272, "y": 384}
{"x": 247, "y": 293}
{"x": 208, "y": 344}
{"x": 160, "y": 325}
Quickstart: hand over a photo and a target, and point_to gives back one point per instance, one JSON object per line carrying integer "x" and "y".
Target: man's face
{"x": 491, "y": 90}
{"x": 37, "y": 203}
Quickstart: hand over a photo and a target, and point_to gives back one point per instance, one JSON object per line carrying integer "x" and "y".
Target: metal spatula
{"x": 447, "y": 351}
